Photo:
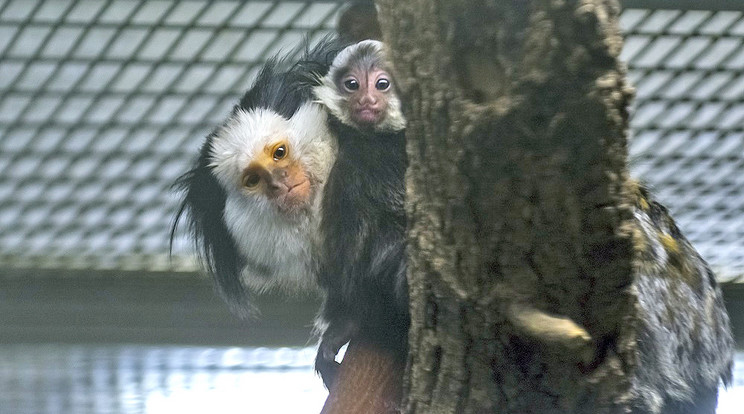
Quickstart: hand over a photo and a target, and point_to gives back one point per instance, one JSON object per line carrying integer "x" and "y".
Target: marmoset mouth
{"x": 301, "y": 186}
{"x": 368, "y": 115}
{"x": 296, "y": 198}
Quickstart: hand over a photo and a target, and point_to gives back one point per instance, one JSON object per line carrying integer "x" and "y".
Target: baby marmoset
{"x": 362, "y": 264}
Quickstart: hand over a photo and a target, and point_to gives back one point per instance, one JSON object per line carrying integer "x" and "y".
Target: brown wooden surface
{"x": 369, "y": 382}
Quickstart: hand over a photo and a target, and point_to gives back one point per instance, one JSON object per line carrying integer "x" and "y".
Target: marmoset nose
{"x": 280, "y": 174}
{"x": 368, "y": 99}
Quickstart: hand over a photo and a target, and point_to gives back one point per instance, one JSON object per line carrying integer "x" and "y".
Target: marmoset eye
{"x": 280, "y": 152}
{"x": 382, "y": 84}
{"x": 251, "y": 180}
{"x": 351, "y": 84}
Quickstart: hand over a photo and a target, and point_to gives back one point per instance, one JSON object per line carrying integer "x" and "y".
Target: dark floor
{"x": 136, "y": 307}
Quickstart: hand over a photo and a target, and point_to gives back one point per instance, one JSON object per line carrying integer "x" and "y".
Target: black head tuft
{"x": 283, "y": 85}
{"x": 203, "y": 205}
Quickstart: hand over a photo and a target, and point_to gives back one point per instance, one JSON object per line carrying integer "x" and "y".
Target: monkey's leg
{"x": 333, "y": 338}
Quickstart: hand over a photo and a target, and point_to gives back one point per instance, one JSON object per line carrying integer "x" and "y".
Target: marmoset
{"x": 252, "y": 199}
{"x": 362, "y": 263}
{"x": 685, "y": 342}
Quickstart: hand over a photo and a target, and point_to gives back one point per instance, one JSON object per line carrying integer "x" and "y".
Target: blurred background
{"x": 104, "y": 103}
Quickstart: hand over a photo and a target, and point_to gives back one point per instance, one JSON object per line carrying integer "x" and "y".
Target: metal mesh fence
{"x": 104, "y": 103}
{"x": 688, "y": 130}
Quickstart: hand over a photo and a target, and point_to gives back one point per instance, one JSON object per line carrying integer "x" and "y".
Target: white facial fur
{"x": 328, "y": 94}
{"x": 277, "y": 248}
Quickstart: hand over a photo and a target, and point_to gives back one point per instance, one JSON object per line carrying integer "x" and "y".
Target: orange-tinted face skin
{"x": 279, "y": 177}
{"x": 367, "y": 91}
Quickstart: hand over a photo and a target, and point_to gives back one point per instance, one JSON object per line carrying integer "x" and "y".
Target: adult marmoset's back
{"x": 685, "y": 341}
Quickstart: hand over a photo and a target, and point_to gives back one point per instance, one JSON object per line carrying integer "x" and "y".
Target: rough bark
{"x": 519, "y": 205}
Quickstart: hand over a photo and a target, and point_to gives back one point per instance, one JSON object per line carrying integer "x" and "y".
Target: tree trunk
{"x": 519, "y": 204}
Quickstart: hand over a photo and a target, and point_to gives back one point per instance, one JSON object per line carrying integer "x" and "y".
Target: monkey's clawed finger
{"x": 327, "y": 368}
{"x": 334, "y": 337}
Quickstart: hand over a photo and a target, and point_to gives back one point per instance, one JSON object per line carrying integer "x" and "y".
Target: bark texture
{"x": 519, "y": 204}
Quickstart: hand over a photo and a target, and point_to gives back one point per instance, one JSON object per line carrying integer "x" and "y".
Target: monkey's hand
{"x": 333, "y": 338}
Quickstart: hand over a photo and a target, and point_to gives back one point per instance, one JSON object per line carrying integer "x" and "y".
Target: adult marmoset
{"x": 362, "y": 264}
{"x": 685, "y": 342}
{"x": 252, "y": 198}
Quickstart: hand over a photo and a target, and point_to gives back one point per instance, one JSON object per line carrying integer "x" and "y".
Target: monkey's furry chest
{"x": 363, "y": 224}
{"x": 275, "y": 252}
{"x": 366, "y": 185}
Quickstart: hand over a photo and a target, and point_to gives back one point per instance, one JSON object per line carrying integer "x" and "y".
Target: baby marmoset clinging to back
{"x": 362, "y": 264}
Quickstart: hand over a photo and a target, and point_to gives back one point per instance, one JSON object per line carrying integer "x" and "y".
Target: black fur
{"x": 685, "y": 342}
{"x": 283, "y": 87}
{"x": 363, "y": 263}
